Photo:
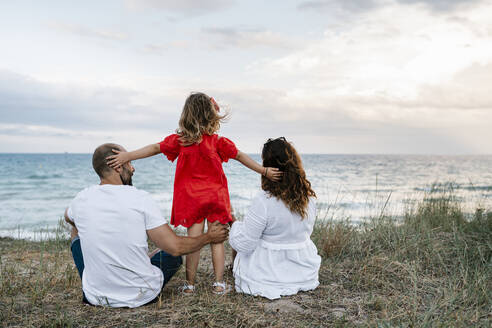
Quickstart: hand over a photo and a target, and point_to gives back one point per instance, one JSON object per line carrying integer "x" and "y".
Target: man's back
{"x": 112, "y": 221}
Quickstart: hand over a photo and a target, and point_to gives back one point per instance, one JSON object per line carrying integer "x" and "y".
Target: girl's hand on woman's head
{"x": 273, "y": 173}
{"x": 115, "y": 161}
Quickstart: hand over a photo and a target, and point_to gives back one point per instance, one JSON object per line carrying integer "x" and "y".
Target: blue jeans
{"x": 168, "y": 264}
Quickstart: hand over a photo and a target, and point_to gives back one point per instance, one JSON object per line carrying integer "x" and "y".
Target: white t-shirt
{"x": 112, "y": 221}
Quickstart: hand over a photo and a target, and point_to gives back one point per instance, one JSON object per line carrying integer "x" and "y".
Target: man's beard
{"x": 128, "y": 182}
{"x": 126, "y": 177}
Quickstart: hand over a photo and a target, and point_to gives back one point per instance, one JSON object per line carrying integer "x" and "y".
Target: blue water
{"x": 35, "y": 189}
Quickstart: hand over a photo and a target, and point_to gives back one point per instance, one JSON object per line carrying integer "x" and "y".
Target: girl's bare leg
{"x": 218, "y": 260}
{"x": 192, "y": 259}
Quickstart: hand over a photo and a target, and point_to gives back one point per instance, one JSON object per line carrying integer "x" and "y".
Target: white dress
{"x": 276, "y": 256}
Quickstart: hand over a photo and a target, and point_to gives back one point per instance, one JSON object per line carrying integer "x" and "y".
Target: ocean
{"x": 35, "y": 189}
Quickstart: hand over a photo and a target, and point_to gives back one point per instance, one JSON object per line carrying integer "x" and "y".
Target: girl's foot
{"x": 187, "y": 289}
{"x": 221, "y": 288}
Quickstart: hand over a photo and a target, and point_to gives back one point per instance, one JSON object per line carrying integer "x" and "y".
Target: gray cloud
{"x": 261, "y": 114}
{"x": 187, "y": 7}
{"x": 244, "y": 37}
{"x": 338, "y": 5}
{"x": 440, "y": 5}
{"x": 55, "y": 109}
{"x": 89, "y": 32}
{"x": 355, "y": 6}
{"x": 30, "y": 108}
{"x": 469, "y": 89}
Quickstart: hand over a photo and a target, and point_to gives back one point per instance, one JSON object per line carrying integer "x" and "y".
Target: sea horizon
{"x": 35, "y": 188}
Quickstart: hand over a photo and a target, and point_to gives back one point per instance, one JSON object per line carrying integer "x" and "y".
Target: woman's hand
{"x": 121, "y": 157}
{"x": 273, "y": 173}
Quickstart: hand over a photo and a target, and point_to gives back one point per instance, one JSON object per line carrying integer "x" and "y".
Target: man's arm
{"x": 165, "y": 238}
{"x": 67, "y": 219}
{"x": 74, "y": 232}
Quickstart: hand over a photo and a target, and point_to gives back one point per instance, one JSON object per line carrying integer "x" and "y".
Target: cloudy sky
{"x": 333, "y": 76}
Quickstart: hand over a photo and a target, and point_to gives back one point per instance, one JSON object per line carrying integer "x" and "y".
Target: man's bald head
{"x": 99, "y": 161}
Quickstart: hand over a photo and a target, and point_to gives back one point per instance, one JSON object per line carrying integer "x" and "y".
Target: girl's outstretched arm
{"x": 121, "y": 158}
{"x": 271, "y": 173}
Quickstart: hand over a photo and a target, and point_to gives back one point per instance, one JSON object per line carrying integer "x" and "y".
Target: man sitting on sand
{"x": 113, "y": 220}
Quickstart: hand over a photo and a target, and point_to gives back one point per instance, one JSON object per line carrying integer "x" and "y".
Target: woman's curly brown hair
{"x": 294, "y": 189}
{"x": 198, "y": 117}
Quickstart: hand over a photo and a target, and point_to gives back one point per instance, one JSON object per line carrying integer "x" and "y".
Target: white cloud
{"x": 356, "y": 6}
{"x": 391, "y": 76}
{"x": 226, "y": 37}
{"x": 36, "y": 130}
{"x": 337, "y": 6}
{"x": 89, "y": 32}
{"x": 189, "y": 7}
{"x": 379, "y": 67}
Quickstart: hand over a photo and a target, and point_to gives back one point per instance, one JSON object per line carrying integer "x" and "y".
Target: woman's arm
{"x": 122, "y": 157}
{"x": 245, "y": 235}
{"x": 271, "y": 173}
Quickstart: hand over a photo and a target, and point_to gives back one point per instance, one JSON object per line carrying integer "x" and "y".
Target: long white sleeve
{"x": 245, "y": 236}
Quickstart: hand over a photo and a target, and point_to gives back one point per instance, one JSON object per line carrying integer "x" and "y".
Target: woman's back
{"x": 284, "y": 226}
{"x": 275, "y": 253}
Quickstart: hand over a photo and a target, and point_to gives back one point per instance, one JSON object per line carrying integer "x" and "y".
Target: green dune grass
{"x": 431, "y": 269}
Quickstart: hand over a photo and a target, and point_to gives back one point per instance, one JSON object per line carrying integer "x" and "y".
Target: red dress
{"x": 200, "y": 185}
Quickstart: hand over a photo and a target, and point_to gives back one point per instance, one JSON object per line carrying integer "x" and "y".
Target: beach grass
{"x": 433, "y": 268}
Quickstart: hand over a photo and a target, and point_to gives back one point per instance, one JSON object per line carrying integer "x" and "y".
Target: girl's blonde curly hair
{"x": 199, "y": 117}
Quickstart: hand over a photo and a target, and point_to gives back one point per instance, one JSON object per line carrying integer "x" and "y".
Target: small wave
{"x": 8, "y": 195}
{"x": 444, "y": 188}
{"x": 33, "y": 235}
{"x": 477, "y": 188}
{"x": 374, "y": 190}
{"x": 426, "y": 189}
{"x": 44, "y": 177}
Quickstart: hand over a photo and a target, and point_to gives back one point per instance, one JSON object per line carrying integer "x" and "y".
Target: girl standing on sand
{"x": 200, "y": 185}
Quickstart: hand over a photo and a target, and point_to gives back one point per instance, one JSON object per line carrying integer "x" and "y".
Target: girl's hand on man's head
{"x": 115, "y": 161}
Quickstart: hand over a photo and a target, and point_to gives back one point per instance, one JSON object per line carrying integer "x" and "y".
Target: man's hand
{"x": 218, "y": 232}
{"x": 167, "y": 240}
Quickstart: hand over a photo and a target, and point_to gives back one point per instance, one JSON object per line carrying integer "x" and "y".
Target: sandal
{"x": 225, "y": 288}
{"x": 187, "y": 289}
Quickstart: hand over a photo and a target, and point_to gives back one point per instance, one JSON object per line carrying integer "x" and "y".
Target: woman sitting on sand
{"x": 275, "y": 255}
